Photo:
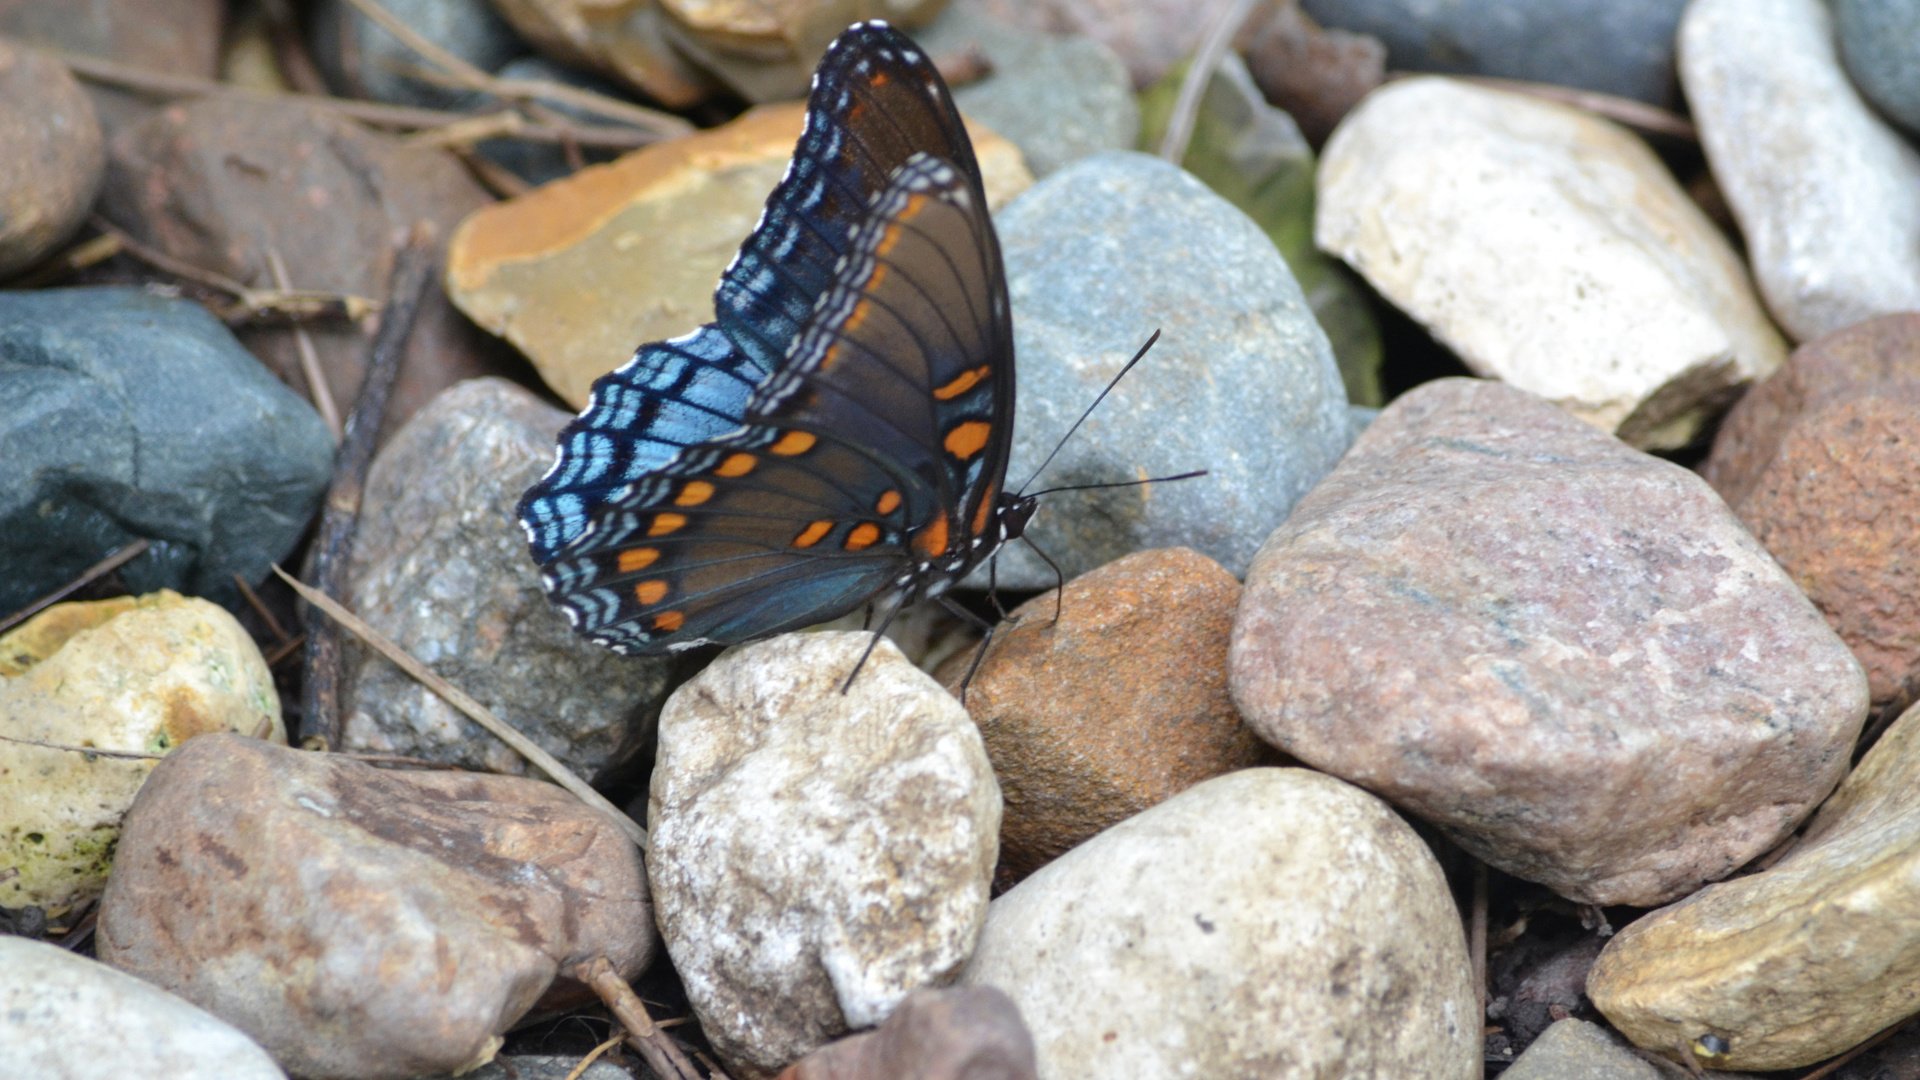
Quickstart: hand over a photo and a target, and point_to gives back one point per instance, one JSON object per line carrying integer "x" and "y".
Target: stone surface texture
{"x": 1567, "y": 654}
{"x": 1270, "y": 924}
{"x": 362, "y": 59}
{"x": 967, "y": 1033}
{"x": 1880, "y": 42}
{"x": 627, "y": 43}
{"x": 55, "y": 157}
{"x": 1548, "y": 248}
{"x": 1577, "y": 1050}
{"x": 815, "y": 855}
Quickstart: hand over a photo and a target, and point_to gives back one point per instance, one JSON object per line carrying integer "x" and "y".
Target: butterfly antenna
{"x": 1089, "y": 412}
{"x": 1118, "y": 484}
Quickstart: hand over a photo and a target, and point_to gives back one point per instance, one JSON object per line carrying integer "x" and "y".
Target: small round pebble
{"x": 55, "y": 159}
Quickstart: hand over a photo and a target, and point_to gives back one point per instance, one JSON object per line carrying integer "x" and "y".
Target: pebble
{"x": 178, "y": 37}
{"x": 1619, "y": 47}
{"x": 54, "y": 153}
{"x": 1057, "y": 98}
{"x": 1822, "y": 463}
{"x": 1801, "y": 961}
{"x": 1150, "y": 36}
{"x": 364, "y": 924}
{"x": 1118, "y": 705}
{"x": 1823, "y": 191}
{"x": 767, "y": 52}
{"x": 1574, "y": 1049}
{"x": 223, "y": 183}
{"x": 218, "y": 464}
{"x": 51, "y": 996}
{"x": 360, "y": 59}
{"x": 632, "y": 49}
{"x": 440, "y": 566}
{"x": 578, "y": 272}
{"x": 1547, "y": 248}
{"x": 968, "y": 1033}
{"x": 546, "y": 1067}
{"x": 1242, "y": 382}
{"x": 1316, "y": 74}
{"x": 138, "y": 676}
{"x": 1880, "y": 43}
{"x": 1267, "y": 923}
{"x": 1565, "y": 653}
{"x": 816, "y": 855}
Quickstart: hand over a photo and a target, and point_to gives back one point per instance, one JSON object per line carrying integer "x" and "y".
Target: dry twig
{"x": 317, "y": 387}
{"x": 1186, "y": 107}
{"x": 655, "y": 1046}
{"x": 1634, "y": 114}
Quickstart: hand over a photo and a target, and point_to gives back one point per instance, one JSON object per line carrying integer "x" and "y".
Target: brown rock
{"x": 222, "y": 183}
{"x": 623, "y": 40}
{"x": 968, "y": 1033}
{"x": 580, "y": 271}
{"x": 1564, "y": 652}
{"x": 55, "y": 160}
{"x": 174, "y": 37}
{"x": 766, "y": 51}
{"x": 1317, "y": 75}
{"x": 364, "y": 923}
{"x": 1119, "y": 705}
{"x": 1822, "y": 463}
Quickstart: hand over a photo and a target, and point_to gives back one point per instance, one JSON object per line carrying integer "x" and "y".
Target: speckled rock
{"x": 1577, "y": 1050}
{"x": 365, "y": 924}
{"x": 1273, "y": 923}
{"x": 1822, "y": 462}
{"x": 1823, "y": 191}
{"x": 815, "y": 855}
{"x": 54, "y": 1008}
{"x": 967, "y": 1033}
{"x": 1880, "y": 42}
{"x": 441, "y": 567}
{"x": 1242, "y": 383}
{"x": 1565, "y": 653}
{"x": 1548, "y": 248}
{"x": 135, "y": 676}
{"x": 1118, "y": 705}
{"x": 1802, "y": 960}
{"x": 55, "y": 159}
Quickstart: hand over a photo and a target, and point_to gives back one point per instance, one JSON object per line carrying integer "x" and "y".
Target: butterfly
{"x": 840, "y": 431}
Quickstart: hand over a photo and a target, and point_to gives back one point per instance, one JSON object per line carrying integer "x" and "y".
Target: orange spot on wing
{"x": 931, "y": 540}
{"x": 811, "y": 535}
{"x": 966, "y": 439}
{"x": 985, "y": 510}
{"x": 665, "y": 523}
{"x": 916, "y": 202}
{"x": 650, "y": 592}
{"x": 737, "y": 465}
{"x": 693, "y": 493}
{"x": 862, "y": 536}
{"x": 634, "y": 559}
{"x": 858, "y": 315}
{"x": 669, "y": 621}
{"x": 794, "y": 442}
{"x": 888, "y": 503}
{"x": 967, "y": 381}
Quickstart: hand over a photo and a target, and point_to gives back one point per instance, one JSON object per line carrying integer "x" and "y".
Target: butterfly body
{"x": 840, "y": 432}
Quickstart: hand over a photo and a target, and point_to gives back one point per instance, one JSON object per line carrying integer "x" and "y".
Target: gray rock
{"x": 1567, "y": 654}
{"x": 361, "y": 59}
{"x": 1824, "y": 190}
{"x": 1574, "y": 1049}
{"x": 130, "y": 415}
{"x": 441, "y": 566}
{"x": 1057, "y": 98}
{"x": 1622, "y": 47}
{"x": 538, "y": 163}
{"x": 1880, "y": 42}
{"x": 64, "y": 1017}
{"x": 545, "y": 1067}
{"x": 1242, "y": 382}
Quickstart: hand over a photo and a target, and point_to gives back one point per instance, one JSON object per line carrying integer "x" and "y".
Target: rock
{"x": 1824, "y": 190}
{"x": 970, "y": 1033}
{"x": 1539, "y": 978}
{"x": 1120, "y": 704}
{"x": 362, "y": 60}
{"x": 541, "y": 163}
{"x": 177, "y": 37}
{"x": 767, "y": 52}
{"x": 1802, "y": 960}
{"x": 1254, "y": 156}
{"x": 546, "y": 1067}
{"x": 1880, "y": 42}
{"x": 225, "y": 183}
{"x": 137, "y": 677}
{"x": 625, "y": 43}
{"x": 1151, "y": 36}
{"x": 361, "y": 923}
{"x": 1057, "y": 98}
{"x": 1242, "y": 382}
{"x": 1620, "y": 47}
{"x": 1315, "y": 75}
{"x": 1576, "y": 1050}
{"x": 440, "y": 566}
{"x": 815, "y": 855}
{"x": 219, "y": 465}
{"x": 50, "y": 995}
{"x": 1566, "y": 654}
{"x": 1822, "y": 463}
{"x": 1268, "y": 923}
{"x": 1548, "y": 248}
{"x": 56, "y": 159}
{"x": 579, "y": 272}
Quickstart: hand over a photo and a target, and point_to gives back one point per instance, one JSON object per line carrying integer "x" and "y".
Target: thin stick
{"x": 253, "y": 601}
{"x": 1833, "y": 1066}
{"x": 333, "y": 543}
{"x": 249, "y": 302}
{"x": 1477, "y": 938}
{"x": 74, "y": 259}
{"x": 1637, "y": 114}
{"x": 296, "y": 64}
{"x": 317, "y": 387}
{"x": 580, "y": 1067}
{"x": 91, "y": 574}
{"x": 96, "y": 751}
{"x": 1186, "y": 107}
{"x": 656, "y": 1047}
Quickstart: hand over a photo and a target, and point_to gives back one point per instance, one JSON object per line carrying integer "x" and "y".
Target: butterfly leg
{"x": 1059, "y": 577}
{"x": 875, "y": 641}
{"x": 986, "y": 636}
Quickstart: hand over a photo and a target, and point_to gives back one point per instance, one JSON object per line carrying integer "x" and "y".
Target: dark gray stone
{"x": 363, "y": 60}
{"x": 130, "y": 415}
{"x": 1242, "y": 382}
{"x": 1620, "y": 47}
{"x": 1880, "y": 43}
{"x": 538, "y": 163}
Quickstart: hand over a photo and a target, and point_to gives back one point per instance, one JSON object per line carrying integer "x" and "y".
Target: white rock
{"x": 1826, "y": 192}
{"x": 816, "y": 856}
{"x": 1548, "y": 248}
{"x": 64, "y": 1017}
{"x": 1271, "y": 923}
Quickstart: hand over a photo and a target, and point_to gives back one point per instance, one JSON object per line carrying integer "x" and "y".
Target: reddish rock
{"x": 1119, "y": 705}
{"x": 1822, "y": 463}
{"x": 173, "y": 37}
{"x": 968, "y": 1033}
{"x": 55, "y": 159}
{"x": 1316, "y": 75}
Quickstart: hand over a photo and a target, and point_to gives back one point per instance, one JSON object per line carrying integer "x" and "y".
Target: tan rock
{"x": 137, "y": 676}
{"x": 580, "y": 272}
{"x": 1801, "y": 961}
{"x": 55, "y": 157}
{"x": 622, "y": 39}
{"x": 766, "y": 49}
